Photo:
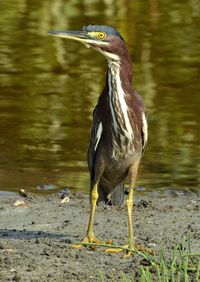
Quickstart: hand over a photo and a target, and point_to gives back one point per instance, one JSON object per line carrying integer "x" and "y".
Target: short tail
{"x": 115, "y": 198}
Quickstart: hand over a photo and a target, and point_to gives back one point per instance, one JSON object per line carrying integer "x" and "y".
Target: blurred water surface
{"x": 49, "y": 86}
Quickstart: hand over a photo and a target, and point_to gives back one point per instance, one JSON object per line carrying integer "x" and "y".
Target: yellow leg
{"x": 131, "y": 246}
{"x": 130, "y": 222}
{"x": 90, "y": 238}
{"x": 94, "y": 198}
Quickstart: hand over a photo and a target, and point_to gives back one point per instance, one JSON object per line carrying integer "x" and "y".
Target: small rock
{"x": 144, "y": 204}
{"x": 65, "y": 200}
{"x": 64, "y": 193}
{"x": 20, "y": 203}
{"x": 168, "y": 208}
{"x": 191, "y": 205}
{"x": 23, "y": 193}
{"x": 152, "y": 245}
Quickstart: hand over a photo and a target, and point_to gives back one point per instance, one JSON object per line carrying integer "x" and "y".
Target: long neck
{"x": 119, "y": 88}
{"x": 124, "y": 67}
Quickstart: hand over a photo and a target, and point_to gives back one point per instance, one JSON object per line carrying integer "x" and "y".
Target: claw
{"x": 116, "y": 250}
{"x": 76, "y": 246}
{"x": 90, "y": 240}
{"x": 128, "y": 255}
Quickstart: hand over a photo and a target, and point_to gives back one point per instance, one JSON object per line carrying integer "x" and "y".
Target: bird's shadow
{"x": 16, "y": 234}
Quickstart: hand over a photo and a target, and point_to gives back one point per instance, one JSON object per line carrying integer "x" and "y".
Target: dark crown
{"x": 109, "y": 30}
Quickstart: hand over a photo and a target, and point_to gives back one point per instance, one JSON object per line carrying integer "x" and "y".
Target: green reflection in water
{"x": 48, "y": 88}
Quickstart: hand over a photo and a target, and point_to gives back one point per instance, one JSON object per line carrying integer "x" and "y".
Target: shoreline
{"x": 36, "y": 235}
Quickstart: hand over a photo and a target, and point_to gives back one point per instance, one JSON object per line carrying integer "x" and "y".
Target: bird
{"x": 119, "y": 130}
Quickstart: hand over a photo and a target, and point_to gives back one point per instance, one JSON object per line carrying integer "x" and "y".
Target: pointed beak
{"x": 80, "y": 36}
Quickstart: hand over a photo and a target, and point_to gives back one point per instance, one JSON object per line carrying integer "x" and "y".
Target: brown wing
{"x": 95, "y": 136}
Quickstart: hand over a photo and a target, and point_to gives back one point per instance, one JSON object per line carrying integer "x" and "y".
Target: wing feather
{"x": 95, "y": 136}
{"x": 144, "y": 131}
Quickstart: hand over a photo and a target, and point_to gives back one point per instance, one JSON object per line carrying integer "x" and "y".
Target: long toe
{"x": 90, "y": 240}
{"x": 85, "y": 241}
{"x": 116, "y": 249}
{"x": 130, "y": 249}
{"x": 113, "y": 250}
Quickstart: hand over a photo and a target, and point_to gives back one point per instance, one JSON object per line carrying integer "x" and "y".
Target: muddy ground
{"x": 35, "y": 235}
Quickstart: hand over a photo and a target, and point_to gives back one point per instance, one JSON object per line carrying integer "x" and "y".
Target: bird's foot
{"x": 130, "y": 249}
{"x": 134, "y": 248}
{"x": 90, "y": 239}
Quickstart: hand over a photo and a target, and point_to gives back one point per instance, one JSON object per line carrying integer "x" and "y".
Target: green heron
{"x": 119, "y": 129}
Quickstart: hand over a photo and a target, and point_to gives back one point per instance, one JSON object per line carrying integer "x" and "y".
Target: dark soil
{"x": 36, "y": 235}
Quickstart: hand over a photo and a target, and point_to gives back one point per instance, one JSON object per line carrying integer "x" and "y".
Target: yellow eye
{"x": 101, "y": 35}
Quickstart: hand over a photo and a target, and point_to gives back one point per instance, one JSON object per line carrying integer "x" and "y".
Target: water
{"x": 49, "y": 86}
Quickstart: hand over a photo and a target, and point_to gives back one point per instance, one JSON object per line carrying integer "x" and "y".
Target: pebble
{"x": 168, "y": 208}
{"x": 20, "y": 203}
{"x": 65, "y": 200}
{"x": 23, "y": 193}
{"x": 64, "y": 193}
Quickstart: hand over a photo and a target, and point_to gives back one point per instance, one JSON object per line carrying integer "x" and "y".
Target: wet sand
{"x": 36, "y": 235}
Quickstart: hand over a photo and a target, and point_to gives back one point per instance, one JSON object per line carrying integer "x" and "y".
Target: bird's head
{"x": 104, "y": 39}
